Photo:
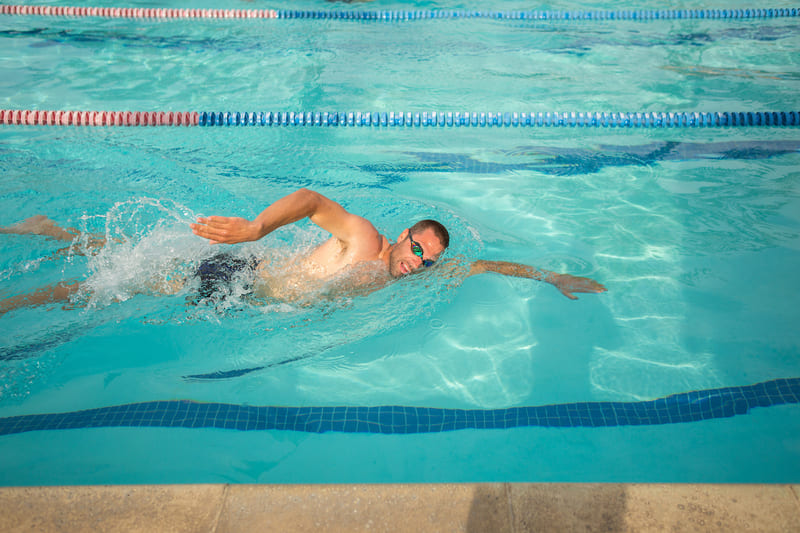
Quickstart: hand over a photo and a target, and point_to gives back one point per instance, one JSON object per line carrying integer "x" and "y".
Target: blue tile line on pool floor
{"x": 677, "y": 408}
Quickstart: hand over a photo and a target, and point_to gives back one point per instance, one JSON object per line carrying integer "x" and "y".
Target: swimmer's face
{"x": 404, "y": 258}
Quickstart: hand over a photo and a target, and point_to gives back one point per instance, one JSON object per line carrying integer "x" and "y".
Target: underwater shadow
{"x": 556, "y": 161}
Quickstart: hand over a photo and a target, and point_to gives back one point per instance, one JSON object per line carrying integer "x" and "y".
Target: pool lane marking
{"x": 32, "y": 117}
{"x": 138, "y": 13}
{"x": 684, "y": 407}
{"x": 401, "y": 15}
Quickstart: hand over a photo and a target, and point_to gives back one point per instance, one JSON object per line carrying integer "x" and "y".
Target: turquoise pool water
{"x": 693, "y": 231}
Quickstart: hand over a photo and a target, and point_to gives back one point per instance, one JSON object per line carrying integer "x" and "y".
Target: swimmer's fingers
{"x": 216, "y": 229}
{"x": 566, "y": 293}
{"x": 567, "y": 284}
{"x": 225, "y": 230}
{"x": 588, "y": 285}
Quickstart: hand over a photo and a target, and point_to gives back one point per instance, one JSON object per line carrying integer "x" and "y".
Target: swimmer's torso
{"x": 352, "y": 269}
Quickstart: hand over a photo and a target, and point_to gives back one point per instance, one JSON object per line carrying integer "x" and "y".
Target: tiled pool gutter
{"x": 493, "y": 507}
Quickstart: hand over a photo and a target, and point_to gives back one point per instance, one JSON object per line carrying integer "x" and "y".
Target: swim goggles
{"x": 416, "y": 249}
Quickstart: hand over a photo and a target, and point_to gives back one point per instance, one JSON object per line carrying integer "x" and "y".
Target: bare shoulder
{"x": 362, "y": 235}
{"x": 360, "y": 226}
{"x": 331, "y": 216}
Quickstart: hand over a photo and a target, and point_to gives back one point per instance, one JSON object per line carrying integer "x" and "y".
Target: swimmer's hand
{"x": 567, "y": 284}
{"x": 227, "y": 230}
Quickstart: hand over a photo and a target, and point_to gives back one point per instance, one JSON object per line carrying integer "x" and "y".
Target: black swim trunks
{"x": 217, "y": 273}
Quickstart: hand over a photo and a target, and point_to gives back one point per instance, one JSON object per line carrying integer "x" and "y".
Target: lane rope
{"x": 697, "y": 119}
{"x": 137, "y": 12}
{"x": 401, "y": 15}
{"x": 28, "y": 117}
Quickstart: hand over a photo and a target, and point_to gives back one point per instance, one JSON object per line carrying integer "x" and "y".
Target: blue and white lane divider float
{"x": 400, "y": 119}
{"x": 400, "y": 15}
{"x": 503, "y": 119}
{"x": 536, "y": 15}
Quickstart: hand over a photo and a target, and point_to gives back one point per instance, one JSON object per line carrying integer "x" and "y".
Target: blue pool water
{"x": 685, "y": 370}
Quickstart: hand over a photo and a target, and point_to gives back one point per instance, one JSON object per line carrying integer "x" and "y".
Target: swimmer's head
{"x": 438, "y": 229}
{"x": 418, "y": 247}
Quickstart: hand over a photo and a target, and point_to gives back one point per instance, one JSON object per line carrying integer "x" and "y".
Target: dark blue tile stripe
{"x": 397, "y": 419}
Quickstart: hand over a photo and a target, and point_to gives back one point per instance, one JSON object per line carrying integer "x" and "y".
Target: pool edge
{"x": 496, "y": 507}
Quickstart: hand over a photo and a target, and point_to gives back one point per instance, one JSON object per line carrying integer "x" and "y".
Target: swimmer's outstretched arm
{"x": 60, "y": 292}
{"x": 41, "y": 225}
{"x": 565, "y": 283}
{"x": 302, "y": 203}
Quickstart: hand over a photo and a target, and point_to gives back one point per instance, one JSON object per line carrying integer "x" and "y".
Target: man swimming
{"x": 354, "y": 244}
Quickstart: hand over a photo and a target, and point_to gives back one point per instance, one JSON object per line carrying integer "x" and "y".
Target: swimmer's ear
{"x": 403, "y": 235}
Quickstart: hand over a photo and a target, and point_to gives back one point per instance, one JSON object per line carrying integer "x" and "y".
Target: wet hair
{"x": 438, "y": 229}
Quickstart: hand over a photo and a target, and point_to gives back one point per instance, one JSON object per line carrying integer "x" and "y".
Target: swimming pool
{"x": 684, "y": 371}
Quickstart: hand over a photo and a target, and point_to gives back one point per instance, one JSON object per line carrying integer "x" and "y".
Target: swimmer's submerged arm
{"x": 565, "y": 283}
{"x": 302, "y": 203}
{"x": 60, "y": 292}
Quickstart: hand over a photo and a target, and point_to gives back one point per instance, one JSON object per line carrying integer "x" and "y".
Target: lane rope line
{"x": 375, "y": 119}
{"x": 400, "y": 15}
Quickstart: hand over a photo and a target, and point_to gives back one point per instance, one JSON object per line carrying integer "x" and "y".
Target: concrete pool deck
{"x": 491, "y": 507}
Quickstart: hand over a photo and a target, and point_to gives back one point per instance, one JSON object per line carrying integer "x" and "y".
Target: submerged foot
{"x": 39, "y": 225}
